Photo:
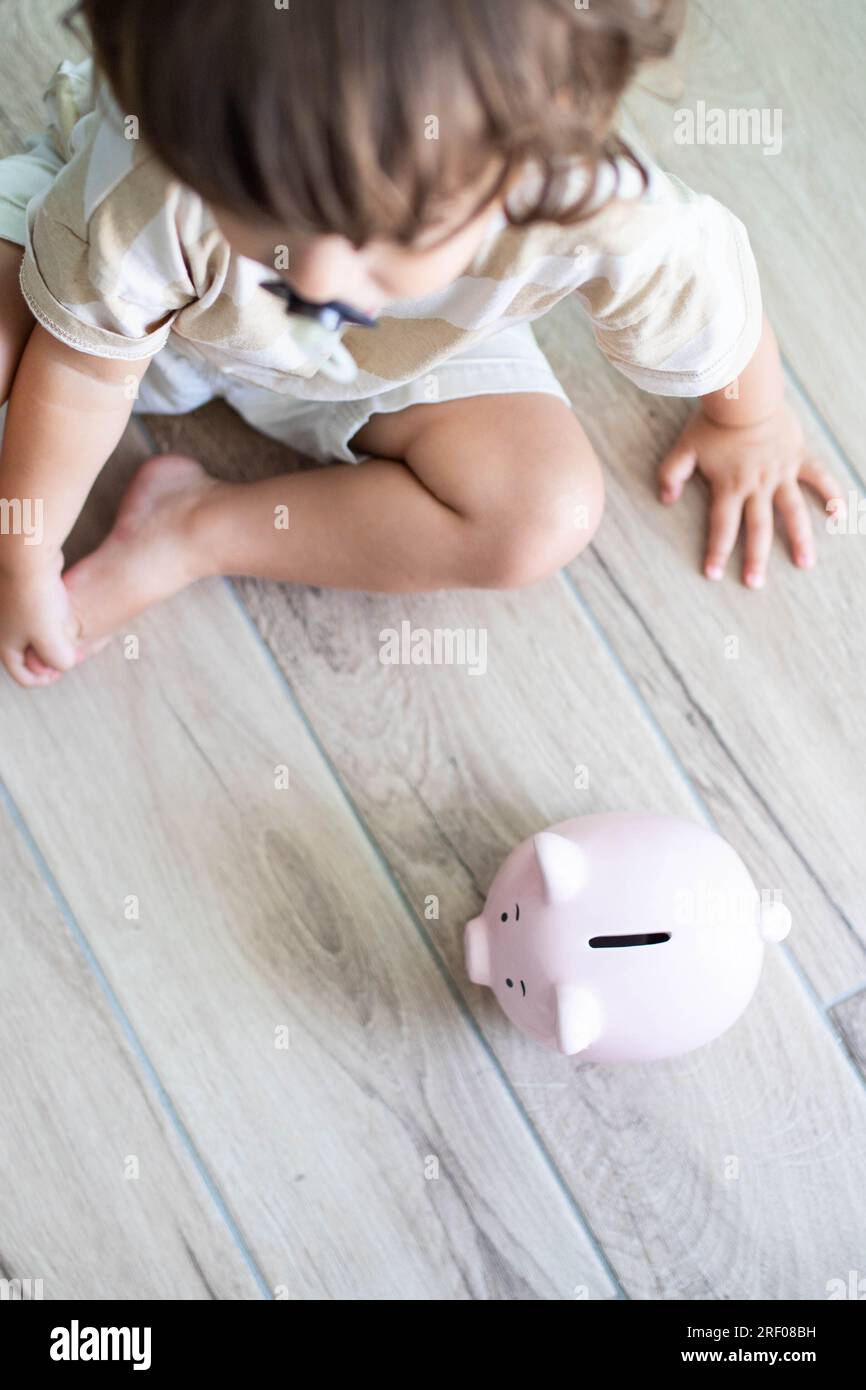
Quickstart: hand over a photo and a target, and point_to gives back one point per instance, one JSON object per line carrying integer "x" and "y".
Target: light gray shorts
{"x": 505, "y": 363}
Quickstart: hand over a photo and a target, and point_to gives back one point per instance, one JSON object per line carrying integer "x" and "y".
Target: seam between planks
{"x": 846, "y": 995}
{"x": 822, "y": 425}
{"x": 150, "y": 1073}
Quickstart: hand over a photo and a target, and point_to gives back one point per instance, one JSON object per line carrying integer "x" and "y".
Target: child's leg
{"x": 16, "y": 320}
{"x": 493, "y": 492}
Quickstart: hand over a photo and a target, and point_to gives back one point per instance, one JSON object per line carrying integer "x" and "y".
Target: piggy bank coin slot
{"x": 644, "y": 939}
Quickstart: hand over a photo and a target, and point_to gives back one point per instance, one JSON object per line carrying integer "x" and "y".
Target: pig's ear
{"x": 477, "y": 947}
{"x": 562, "y": 865}
{"x": 578, "y": 1019}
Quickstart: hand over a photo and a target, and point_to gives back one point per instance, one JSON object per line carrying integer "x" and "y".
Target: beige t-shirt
{"x": 120, "y": 255}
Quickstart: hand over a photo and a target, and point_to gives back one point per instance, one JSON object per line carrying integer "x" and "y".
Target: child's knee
{"x": 547, "y": 528}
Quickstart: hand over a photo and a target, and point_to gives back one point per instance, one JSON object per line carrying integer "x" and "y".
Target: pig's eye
{"x": 510, "y": 984}
{"x": 645, "y": 939}
{"x": 504, "y": 917}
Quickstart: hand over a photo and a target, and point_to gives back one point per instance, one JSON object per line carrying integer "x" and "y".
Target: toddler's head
{"x": 375, "y": 139}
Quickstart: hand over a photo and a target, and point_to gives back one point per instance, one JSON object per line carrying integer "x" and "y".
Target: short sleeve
{"x": 671, "y": 286}
{"x": 104, "y": 269}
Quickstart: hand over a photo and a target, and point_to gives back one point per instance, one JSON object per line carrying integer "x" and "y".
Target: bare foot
{"x": 148, "y": 555}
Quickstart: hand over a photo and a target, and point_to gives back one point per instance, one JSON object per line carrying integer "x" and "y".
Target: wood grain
{"x": 99, "y": 1198}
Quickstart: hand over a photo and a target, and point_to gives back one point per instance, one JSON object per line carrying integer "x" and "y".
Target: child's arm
{"x": 748, "y": 442}
{"x": 67, "y": 411}
{"x": 671, "y": 284}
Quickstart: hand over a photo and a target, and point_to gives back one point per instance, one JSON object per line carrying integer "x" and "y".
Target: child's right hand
{"x": 38, "y": 628}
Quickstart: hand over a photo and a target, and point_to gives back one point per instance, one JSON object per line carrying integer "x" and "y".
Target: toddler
{"x": 445, "y": 172}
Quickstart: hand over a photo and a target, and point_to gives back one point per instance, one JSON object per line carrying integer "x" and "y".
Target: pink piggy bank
{"x": 624, "y": 938}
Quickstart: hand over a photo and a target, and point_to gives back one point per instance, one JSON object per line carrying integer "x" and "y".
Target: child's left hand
{"x": 749, "y": 468}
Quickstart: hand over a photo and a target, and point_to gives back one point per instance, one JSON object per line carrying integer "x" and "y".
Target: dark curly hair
{"x": 364, "y": 117}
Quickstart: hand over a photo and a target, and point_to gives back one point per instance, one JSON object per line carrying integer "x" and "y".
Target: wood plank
{"x": 802, "y": 207}
{"x": 77, "y": 1113}
{"x": 262, "y": 910}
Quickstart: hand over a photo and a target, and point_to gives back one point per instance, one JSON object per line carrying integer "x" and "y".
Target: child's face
{"x": 327, "y": 268}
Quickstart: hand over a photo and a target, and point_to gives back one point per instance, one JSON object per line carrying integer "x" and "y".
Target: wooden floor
{"x": 240, "y": 1062}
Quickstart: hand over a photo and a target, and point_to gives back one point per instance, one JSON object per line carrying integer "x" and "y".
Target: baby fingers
{"x": 676, "y": 470}
{"x": 819, "y": 478}
{"x": 795, "y": 516}
{"x": 759, "y": 539}
{"x": 725, "y": 516}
